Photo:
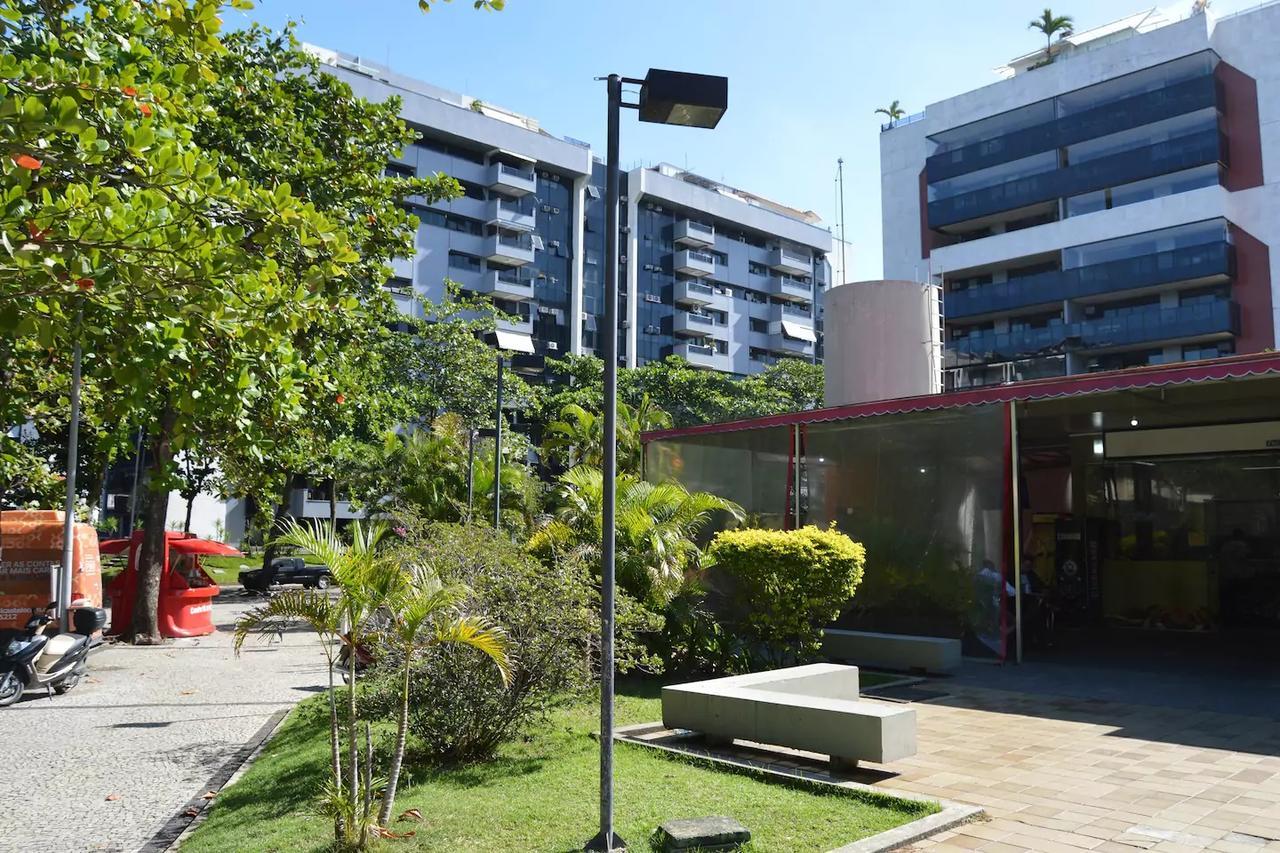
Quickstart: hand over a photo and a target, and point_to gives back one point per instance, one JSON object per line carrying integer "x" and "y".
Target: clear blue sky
{"x": 804, "y": 75}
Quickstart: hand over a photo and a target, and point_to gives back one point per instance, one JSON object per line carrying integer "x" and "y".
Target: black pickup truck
{"x": 286, "y": 570}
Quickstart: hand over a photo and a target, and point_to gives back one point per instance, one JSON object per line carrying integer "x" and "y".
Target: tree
{"x": 195, "y": 473}
{"x": 894, "y": 111}
{"x": 424, "y": 614}
{"x": 1049, "y": 23}
{"x": 787, "y": 385}
{"x": 366, "y": 582}
{"x": 657, "y": 528}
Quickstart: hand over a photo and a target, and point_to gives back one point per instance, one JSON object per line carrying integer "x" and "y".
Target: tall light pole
{"x": 666, "y": 97}
{"x": 497, "y": 452}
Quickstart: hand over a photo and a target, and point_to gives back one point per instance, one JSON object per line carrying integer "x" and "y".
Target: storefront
{"x": 1143, "y": 501}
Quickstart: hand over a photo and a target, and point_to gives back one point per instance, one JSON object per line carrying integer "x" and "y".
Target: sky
{"x": 805, "y": 76}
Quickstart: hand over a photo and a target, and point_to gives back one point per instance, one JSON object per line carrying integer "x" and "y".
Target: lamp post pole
{"x": 666, "y": 97}
{"x": 497, "y": 454}
{"x": 69, "y": 519}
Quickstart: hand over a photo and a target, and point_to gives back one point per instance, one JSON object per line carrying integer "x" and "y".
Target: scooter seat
{"x": 56, "y": 648}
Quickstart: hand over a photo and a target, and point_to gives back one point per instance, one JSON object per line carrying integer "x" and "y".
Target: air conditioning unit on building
{"x": 555, "y": 244}
{"x": 552, "y": 346}
{"x": 546, "y": 174}
{"x": 555, "y": 210}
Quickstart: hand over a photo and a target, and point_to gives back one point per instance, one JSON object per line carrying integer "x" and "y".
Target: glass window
{"x": 1036, "y": 164}
{"x": 1146, "y": 243}
{"x": 1171, "y": 184}
{"x": 1140, "y": 137}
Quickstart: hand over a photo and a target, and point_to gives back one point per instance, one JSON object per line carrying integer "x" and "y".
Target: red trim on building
{"x": 1251, "y": 288}
{"x": 1241, "y": 124}
{"x": 1212, "y": 370}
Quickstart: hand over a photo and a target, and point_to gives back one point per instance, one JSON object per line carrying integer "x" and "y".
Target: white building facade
{"x": 1114, "y": 202}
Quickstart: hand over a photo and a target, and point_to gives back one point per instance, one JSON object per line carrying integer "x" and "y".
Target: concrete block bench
{"x": 892, "y": 651}
{"x": 814, "y": 708}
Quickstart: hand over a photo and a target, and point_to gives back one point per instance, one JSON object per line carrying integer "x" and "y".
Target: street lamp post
{"x": 497, "y": 452}
{"x": 666, "y": 97}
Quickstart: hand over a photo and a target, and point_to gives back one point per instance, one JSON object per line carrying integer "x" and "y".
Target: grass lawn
{"x": 227, "y": 569}
{"x": 539, "y": 795}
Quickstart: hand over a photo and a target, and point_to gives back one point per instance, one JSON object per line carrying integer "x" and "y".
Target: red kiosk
{"x": 186, "y": 591}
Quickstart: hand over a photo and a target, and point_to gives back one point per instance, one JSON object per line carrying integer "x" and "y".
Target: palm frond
{"x": 310, "y": 607}
{"x": 479, "y": 635}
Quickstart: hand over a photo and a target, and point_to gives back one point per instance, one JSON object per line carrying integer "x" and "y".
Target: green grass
{"x": 227, "y": 569}
{"x": 540, "y": 795}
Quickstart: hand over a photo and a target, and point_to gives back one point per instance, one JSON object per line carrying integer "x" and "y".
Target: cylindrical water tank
{"x": 881, "y": 340}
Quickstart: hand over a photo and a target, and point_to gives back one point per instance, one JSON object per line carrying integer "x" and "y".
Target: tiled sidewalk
{"x": 1070, "y": 774}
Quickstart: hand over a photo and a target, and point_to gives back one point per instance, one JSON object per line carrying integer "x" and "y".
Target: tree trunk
{"x": 291, "y": 482}
{"x": 402, "y": 732}
{"x": 335, "y": 749}
{"x": 186, "y": 524}
{"x": 144, "y": 629}
{"x": 333, "y": 505}
{"x": 353, "y": 749}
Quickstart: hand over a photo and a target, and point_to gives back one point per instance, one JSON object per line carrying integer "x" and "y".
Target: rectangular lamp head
{"x": 678, "y": 97}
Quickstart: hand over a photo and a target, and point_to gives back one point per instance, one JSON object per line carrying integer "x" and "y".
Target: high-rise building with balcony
{"x": 725, "y": 278}
{"x": 1104, "y": 206}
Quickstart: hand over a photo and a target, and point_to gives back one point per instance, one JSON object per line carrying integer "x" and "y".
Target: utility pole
{"x": 844, "y": 269}
{"x": 497, "y": 454}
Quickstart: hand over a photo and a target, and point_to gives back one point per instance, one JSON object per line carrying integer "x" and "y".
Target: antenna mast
{"x": 844, "y": 270}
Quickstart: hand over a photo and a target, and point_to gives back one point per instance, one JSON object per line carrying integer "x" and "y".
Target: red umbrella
{"x": 113, "y": 546}
{"x": 202, "y": 546}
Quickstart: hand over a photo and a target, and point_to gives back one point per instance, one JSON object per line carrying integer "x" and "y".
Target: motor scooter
{"x": 37, "y": 657}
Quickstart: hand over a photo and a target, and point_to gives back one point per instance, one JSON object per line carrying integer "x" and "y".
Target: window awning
{"x": 799, "y": 332}
{"x": 514, "y": 341}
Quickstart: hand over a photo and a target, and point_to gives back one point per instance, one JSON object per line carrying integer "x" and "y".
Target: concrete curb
{"x": 181, "y": 825}
{"x": 952, "y": 814}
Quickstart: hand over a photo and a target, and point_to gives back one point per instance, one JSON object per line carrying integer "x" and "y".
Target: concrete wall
{"x": 882, "y": 341}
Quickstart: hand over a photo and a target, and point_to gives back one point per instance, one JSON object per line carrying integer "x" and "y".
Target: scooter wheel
{"x": 71, "y": 680}
{"x": 10, "y": 688}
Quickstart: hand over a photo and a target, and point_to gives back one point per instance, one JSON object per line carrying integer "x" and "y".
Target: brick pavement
{"x": 1068, "y": 774}
{"x": 149, "y": 726}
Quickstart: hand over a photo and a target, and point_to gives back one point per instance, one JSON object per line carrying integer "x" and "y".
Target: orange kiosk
{"x": 30, "y": 557}
{"x": 186, "y": 591}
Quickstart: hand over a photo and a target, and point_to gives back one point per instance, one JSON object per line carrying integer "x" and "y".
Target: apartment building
{"x": 723, "y": 277}
{"x": 1111, "y": 203}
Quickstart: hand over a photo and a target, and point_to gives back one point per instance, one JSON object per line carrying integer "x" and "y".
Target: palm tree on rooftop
{"x": 1049, "y": 23}
{"x": 894, "y": 111}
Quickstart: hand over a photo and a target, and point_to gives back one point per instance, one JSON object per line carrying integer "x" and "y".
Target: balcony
{"x": 794, "y": 289}
{"x": 519, "y": 320}
{"x": 1173, "y": 155}
{"x": 403, "y": 299}
{"x": 1146, "y": 108}
{"x": 693, "y": 262}
{"x": 500, "y": 211}
{"x": 1161, "y": 324}
{"x": 511, "y": 180}
{"x": 792, "y": 337}
{"x": 510, "y": 249}
{"x": 700, "y": 355}
{"x": 1213, "y": 319}
{"x": 1201, "y": 264}
{"x": 792, "y": 313}
{"x": 690, "y": 324}
{"x": 689, "y": 233}
{"x": 513, "y": 284}
{"x": 788, "y": 261}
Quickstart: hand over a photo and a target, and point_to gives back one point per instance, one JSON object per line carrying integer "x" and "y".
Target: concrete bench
{"x": 892, "y": 651}
{"x": 814, "y": 708}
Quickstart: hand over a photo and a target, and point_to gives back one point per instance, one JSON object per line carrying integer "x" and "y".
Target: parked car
{"x": 286, "y": 570}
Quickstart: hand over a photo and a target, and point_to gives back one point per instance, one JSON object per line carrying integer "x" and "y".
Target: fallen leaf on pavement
{"x": 191, "y": 811}
{"x": 111, "y": 798}
{"x": 411, "y": 814}
{"x": 208, "y": 795}
{"x": 185, "y": 692}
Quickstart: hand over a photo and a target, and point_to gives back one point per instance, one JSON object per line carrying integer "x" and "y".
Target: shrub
{"x": 786, "y": 585}
{"x": 459, "y": 709}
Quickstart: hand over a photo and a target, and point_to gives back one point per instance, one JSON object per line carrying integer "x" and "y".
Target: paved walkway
{"x": 1067, "y": 774}
{"x": 103, "y": 767}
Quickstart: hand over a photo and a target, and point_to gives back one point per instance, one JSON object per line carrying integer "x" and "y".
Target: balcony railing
{"x": 512, "y": 179}
{"x": 1136, "y": 111}
{"x": 788, "y": 261}
{"x": 1147, "y": 326}
{"x": 694, "y": 233}
{"x": 1206, "y": 261}
{"x": 786, "y": 287}
{"x": 693, "y": 262}
{"x": 1173, "y": 155}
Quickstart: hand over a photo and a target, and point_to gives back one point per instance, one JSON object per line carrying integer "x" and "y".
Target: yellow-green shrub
{"x": 787, "y": 585}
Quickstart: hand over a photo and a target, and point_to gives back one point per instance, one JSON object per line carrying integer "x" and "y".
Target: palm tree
{"x": 577, "y": 438}
{"x": 657, "y": 527}
{"x": 424, "y": 614}
{"x": 1049, "y": 23}
{"x": 365, "y": 582}
{"x": 894, "y": 111}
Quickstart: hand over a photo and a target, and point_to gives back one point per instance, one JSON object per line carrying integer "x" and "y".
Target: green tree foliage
{"x": 657, "y": 529}
{"x": 1048, "y": 24}
{"x": 893, "y": 112}
{"x": 460, "y": 709}
{"x": 689, "y": 396}
{"x": 787, "y": 585}
{"x": 577, "y": 436}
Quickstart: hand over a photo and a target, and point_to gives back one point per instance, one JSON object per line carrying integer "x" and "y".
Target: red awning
{"x": 1213, "y": 370}
{"x": 113, "y": 546}
{"x": 202, "y": 546}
